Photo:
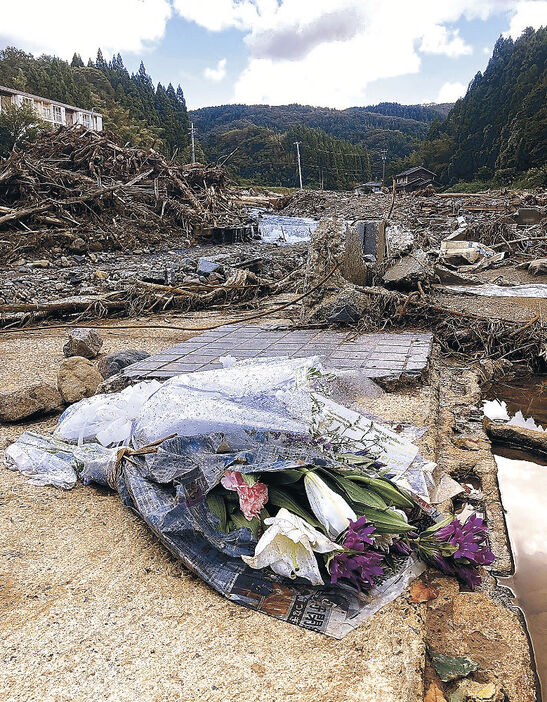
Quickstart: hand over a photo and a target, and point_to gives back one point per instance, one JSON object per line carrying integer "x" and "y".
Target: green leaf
{"x": 239, "y": 519}
{"x": 388, "y": 522}
{"x": 281, "y": 498}
{"x": 282, "y": 477}
{"x": 452, "y": 667}
{"x": 387, "y": 489}
{"x": 359, "y": 494}
{"x": 216, "y": 504}
{"x": 434, "y": 527}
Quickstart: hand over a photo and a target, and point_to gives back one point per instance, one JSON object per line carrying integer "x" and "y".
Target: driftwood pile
{"x": 81, "y": 190}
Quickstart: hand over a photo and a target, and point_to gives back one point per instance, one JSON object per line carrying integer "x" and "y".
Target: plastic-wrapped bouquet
{"x": 342, "y": 525}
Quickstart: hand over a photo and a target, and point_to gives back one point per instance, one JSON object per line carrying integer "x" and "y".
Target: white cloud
{"x": 216, "y": 74}
{"x": 530, "y": 13}
{"x": 65, "y": 26}
{"x": 439, "y": 40}
{"x": 450, "y": 92}
{"x": 326, "y": 53}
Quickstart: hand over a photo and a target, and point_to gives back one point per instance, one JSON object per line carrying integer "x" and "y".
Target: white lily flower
{"x": 329, "y": 507}
{"x": 287, "y": 546}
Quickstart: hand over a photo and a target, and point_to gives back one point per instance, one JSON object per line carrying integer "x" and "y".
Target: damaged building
{"x": 57, "y": 114}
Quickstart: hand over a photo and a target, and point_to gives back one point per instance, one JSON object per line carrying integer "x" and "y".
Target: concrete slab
{"x": 380, "y": 356}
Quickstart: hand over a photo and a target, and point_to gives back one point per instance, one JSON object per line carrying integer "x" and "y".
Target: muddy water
{"x": 523, "y": 484}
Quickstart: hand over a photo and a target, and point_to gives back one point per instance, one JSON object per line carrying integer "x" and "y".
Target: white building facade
{"x": 56, "y": 113}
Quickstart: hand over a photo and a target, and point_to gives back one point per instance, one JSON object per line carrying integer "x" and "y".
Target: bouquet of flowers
{"x": 345, "y": 523}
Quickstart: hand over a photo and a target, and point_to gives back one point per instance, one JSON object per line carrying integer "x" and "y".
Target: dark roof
{"x": 413, "y": 170}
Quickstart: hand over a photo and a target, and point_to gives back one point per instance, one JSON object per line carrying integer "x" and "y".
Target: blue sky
{"x": 334, "y": 53}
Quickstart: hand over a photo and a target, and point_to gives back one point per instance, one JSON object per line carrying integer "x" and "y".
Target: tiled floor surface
{"x": 376, "y": 355}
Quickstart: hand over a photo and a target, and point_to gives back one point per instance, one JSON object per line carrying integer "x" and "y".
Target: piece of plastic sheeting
{"x": 107, "y": 419}
{"x": 47, "y": 460}
{"x": 43, "y": 460}
{"x": 270, "y": 394}
{"x": 531, "y": 290}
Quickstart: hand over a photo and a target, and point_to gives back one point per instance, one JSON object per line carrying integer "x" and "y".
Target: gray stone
{"x": 115, "y": 362}
{"x": 344, "y": 313}
{"x": 205, "y": 266}
{"x": 77, "y": 378}
{"x": 116, "y": 383}
{"x": 409, "y": 270}
{"x": 83, "y": 342}
{"x": 449, "y": 277}
{"x": 28, "y": 402}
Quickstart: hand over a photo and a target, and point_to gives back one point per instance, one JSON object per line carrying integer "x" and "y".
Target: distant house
{"x": 413, "y": 179}
{"x": 366, "y": 188}
{"x": 56, "y": 113}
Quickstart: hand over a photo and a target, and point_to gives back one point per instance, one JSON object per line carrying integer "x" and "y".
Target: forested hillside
{"x": 142, "y": 114}
{"x": 263, "y": 156}
{"x": 499, "y": 129}
{"x": 398, "y": 128}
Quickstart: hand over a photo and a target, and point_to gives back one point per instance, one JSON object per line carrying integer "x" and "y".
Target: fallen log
{"x": 519, "y": 437}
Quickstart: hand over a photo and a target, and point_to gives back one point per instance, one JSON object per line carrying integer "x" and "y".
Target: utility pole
{"x": 297, "y": 144}
{"x": 193, "y": 142}
{"x": 383, "y": 154}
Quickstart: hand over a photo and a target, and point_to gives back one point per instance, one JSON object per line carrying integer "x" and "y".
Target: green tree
{"x": 19, "y": 125}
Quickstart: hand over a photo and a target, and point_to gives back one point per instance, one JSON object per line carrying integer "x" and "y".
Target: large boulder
{"x": 28, "y": 402}
{"x": 77, "y": 378}
{"x": 82, "y": 342}
{"x": 115, "y": 362}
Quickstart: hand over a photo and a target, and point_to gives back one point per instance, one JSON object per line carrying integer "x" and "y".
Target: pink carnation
{"x": 252, "y": 498}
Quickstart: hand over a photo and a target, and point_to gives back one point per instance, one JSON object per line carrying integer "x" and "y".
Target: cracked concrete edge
{"x": 459, "y": 416}
{"x": 456, "y": 395}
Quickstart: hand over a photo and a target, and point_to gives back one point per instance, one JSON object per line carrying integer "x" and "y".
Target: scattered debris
{"x": 472, "y": 691}
{"x": 84, "y": 191}
{"x": 456, "y": 252}
{"x": 434, "y": 694}
{"x": 420, "y": 592}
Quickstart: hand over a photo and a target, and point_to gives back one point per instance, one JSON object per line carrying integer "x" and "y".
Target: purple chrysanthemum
{"x": 468, "y": 539}
{"x": 358, "y": 569}
{"x": 400, "y": 547}
{"x": 357, "y": 564}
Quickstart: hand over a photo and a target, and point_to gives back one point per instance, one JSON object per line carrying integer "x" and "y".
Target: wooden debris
{"x": 76, "y": 183}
